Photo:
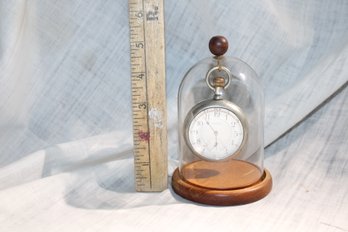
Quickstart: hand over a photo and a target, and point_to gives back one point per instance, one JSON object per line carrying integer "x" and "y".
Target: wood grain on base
{"x": 221, "y": 197}
{"x": 230, "y": 174}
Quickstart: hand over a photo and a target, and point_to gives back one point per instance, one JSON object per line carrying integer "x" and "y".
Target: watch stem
{"x": 219, "y": 85}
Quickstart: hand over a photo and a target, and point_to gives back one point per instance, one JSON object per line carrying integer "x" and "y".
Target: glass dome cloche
{"x": 220, "y": 119}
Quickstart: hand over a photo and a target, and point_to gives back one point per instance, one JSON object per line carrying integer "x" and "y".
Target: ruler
{"x": 147, "y": 49}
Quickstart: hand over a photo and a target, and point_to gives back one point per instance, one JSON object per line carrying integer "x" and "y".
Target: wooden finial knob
{"x": 218, "y": 45}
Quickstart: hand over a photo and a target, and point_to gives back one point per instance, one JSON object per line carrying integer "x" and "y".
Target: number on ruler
{"x": 141, "y": 76}
{"x": 139, "y": 45}
{"x": 139, "y": 16}
{"x": 142, "y": 106}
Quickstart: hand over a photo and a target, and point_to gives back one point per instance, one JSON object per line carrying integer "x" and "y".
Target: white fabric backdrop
{"x": 65, "y": 127}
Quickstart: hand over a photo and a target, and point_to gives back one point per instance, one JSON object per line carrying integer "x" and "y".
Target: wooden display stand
{"x": 218, "y": 188}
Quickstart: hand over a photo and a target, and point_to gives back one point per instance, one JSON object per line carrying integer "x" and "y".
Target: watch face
{"x": 215, "y": 133}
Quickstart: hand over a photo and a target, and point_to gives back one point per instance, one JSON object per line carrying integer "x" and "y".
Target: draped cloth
{"x": 66, "y": 161}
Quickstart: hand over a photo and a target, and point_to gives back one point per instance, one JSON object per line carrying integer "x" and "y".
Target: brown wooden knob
{"x": 218, "y": 45}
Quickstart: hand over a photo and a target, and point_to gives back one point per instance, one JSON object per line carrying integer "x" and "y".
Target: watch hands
{"x": 215, "y": 133}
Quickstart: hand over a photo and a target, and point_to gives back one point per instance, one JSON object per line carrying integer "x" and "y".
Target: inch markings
{"x": 148, "y": 94}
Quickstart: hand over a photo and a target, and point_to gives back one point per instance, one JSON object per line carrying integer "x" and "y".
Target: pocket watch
{"x": 216, "y": 129}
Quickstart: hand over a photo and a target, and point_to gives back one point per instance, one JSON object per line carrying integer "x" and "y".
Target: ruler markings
{"x": 148, "y": 93}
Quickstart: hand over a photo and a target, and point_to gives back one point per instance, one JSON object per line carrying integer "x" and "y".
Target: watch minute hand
{"x": 215, "y": 133}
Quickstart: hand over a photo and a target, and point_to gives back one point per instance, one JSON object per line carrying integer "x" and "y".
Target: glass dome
{"x": 220, "y": 107}
{"x": 246, "y": 92}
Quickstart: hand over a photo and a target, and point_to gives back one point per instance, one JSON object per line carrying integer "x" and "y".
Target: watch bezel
{"x": 207, "y": 104}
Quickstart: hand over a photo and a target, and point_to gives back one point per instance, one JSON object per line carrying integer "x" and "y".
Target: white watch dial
{"x": 216, "y": 133}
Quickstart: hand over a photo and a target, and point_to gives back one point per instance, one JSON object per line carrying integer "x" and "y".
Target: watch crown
{"x": 219, "y": 82}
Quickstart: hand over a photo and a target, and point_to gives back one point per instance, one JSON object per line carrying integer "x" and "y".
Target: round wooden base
{"x": 222, "y": 197}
